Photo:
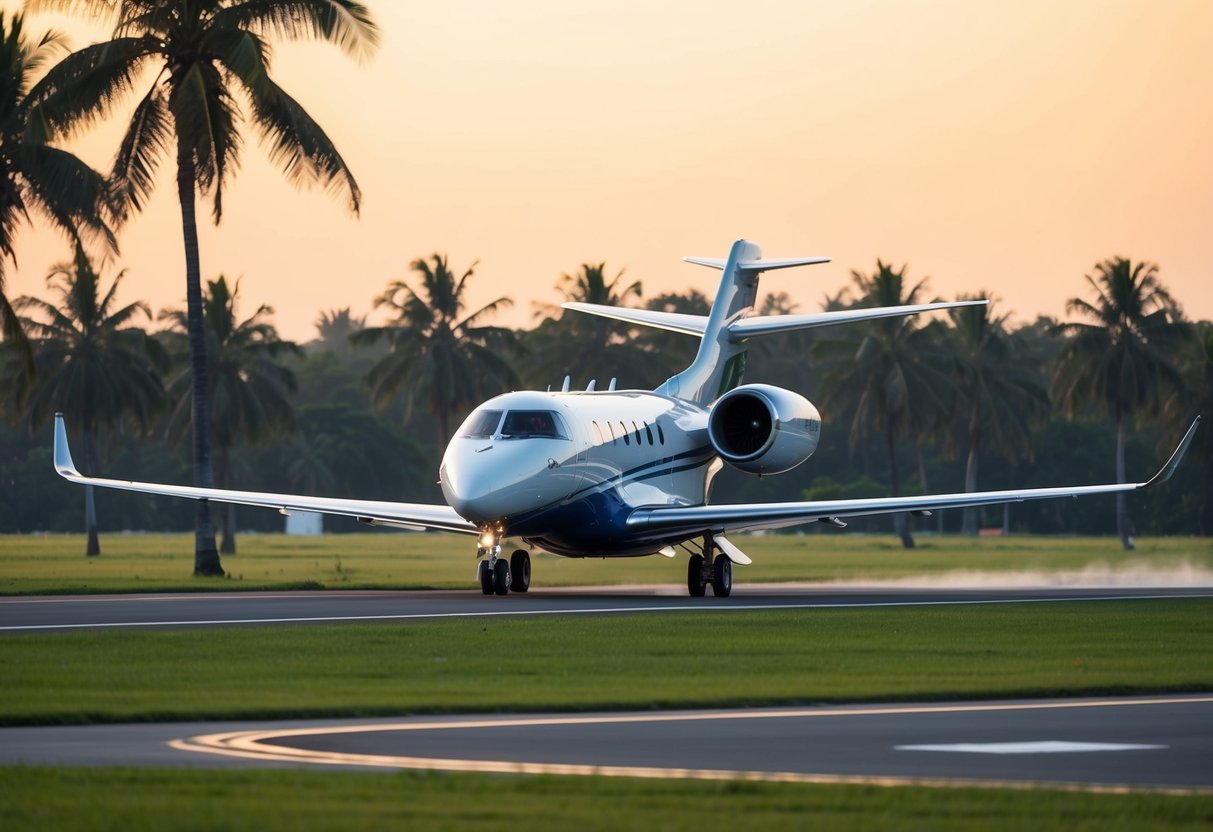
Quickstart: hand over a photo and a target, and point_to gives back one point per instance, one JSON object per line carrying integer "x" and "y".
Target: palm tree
{"x": 335, "y": 329}
{"x": 436, "y": 352}
{"x": 1122, "y": 359}
{"x": 888, "y": 372}
{"x": 249, "y": 393}
{"x": 209, "y": 55}
{"x": 35, "y": 176}
{"x": 564, "y": 333}
{"x": 998, "y": 390}
{"x": 89, "y": 363}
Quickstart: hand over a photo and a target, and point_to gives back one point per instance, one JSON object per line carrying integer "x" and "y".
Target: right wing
{"x": 757, "y": 516}
{"x": 417, "y": 516}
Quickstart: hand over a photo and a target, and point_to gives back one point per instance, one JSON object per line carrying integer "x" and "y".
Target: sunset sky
{"x": 1000, "y": 146}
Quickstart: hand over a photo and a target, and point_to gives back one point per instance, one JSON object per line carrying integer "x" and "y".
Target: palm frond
{"x": 347, "y": 25}
{"x": 68, "y": 192}
{"x": 84, "y": 86}
{"x": 299, "y": 145}
{"x": 147, "y": 139}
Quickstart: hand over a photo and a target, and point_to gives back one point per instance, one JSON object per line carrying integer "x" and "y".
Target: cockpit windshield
{"x": 482, "y": 424}
{"x": 524, "y": 424}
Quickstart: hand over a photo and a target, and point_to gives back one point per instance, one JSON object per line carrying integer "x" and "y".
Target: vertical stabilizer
{"x": 720, "y": 362}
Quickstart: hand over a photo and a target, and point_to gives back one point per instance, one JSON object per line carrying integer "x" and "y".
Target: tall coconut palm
{"x": 90, "y": 363}
{"x": 206, "y": 57}
{"x": 35, "y": 176}
{"x": 449, "y": 359}
{"x": 249, "y": 393}
{"x": 888, "y": 373}
{"x": 1122, "y": 358}
{"x": 591, "y": 339}
{"x": 999, "y": 391}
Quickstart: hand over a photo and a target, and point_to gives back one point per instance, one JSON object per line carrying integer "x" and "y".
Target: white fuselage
{"x": 564, "y": 470}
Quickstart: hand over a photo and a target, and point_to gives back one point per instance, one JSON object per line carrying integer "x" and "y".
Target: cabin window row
{"x": 616, "y": 432}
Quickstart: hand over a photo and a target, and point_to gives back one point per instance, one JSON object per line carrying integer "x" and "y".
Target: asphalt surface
{"x": 48, "y": 613}
{"x": 1148, "y": 743}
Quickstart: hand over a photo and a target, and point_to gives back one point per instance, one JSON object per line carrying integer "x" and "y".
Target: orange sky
{"x": 1000, "y": 146}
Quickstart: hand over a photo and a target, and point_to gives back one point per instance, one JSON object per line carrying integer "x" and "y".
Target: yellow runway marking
{"x": 261, "y": 745}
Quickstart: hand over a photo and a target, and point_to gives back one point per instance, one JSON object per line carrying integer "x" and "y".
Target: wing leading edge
{"x": 372, "y": 512}
{"x": 757, "y": 516}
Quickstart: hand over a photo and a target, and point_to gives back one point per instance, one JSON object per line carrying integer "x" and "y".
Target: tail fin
{"x": 720, "y": 363}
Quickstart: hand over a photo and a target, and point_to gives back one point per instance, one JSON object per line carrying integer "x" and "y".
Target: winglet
{"x": 63, "y": 455}
{"x": 1177, "y": 457}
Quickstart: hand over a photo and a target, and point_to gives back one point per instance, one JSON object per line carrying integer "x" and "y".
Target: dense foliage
{"x": 347, "y": 436}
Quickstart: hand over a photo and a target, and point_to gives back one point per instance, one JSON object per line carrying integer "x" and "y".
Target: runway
{"x": 21, "y": 614}
{"x": 1158, "y": 743}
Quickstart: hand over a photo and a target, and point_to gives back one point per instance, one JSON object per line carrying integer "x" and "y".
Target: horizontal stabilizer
{"x": 759, "y": 265}
{"x": 673, "y": 321}
{"x": 768, "y": 324}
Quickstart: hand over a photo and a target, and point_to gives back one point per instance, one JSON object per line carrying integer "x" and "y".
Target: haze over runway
{"x": 1004, "y": 147}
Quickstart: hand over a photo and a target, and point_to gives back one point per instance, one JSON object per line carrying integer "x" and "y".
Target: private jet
{"x": 627, "y": 473}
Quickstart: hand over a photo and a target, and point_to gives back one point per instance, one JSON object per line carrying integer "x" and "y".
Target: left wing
{"x": 756, "y": 516}
{"x": 415, "y": 516}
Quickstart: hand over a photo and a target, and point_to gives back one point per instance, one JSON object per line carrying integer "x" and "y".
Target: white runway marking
{"x": 1039, "y": 747}
{"x": 593, "y": 611}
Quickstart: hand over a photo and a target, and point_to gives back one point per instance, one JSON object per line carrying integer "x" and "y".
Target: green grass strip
{"x": 700, "y": 659}
{"x": 265, "y": 801}
{"x": 160, "y": 563}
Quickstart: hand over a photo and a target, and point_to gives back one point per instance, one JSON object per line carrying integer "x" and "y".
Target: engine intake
{"x": 763, "y": 429}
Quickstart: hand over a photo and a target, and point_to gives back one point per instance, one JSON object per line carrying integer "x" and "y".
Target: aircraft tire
{"x": 722, "y": 576}
{"x": 520, "y": 571}
{"x": 484, "y": 575}
{"x": 501, "y": 578}
{"x": 695, "y": 582}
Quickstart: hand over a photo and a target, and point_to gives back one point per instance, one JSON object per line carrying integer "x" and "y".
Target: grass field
{"x": 267, "y": 801}
{"x": 145, "y": 563}
{"x": 697, "y": 659}
{"x": 706, "y": 658}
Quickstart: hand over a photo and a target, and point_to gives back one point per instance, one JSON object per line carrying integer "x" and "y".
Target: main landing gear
{"x": 497, "y": 577}
{"x": 704, "y": 569}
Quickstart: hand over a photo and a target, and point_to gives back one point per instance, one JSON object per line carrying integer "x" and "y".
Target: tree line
{"x": 949, "y": 403}
{"x": 369, "y": 408}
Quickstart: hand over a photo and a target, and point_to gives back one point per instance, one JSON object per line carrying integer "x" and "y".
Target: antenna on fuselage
{"x": 592, "y": 386}
{"x": 612, "y": 387}
{"x": 565, "y": 387}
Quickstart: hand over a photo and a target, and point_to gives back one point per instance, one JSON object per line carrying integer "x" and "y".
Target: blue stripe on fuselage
{"x": 594, "y": 520}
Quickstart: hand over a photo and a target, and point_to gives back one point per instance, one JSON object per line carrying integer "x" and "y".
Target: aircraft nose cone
{"x": 490, "y": 482}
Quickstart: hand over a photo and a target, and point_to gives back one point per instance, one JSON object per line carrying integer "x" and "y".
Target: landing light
{"x": 487, "y": 539}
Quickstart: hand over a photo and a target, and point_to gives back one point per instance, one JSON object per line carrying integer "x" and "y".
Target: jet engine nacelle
{"x": 763, "y": 429}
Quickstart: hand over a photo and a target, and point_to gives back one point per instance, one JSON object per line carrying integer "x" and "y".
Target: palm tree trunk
{"x": 227, "y": 545}
{"x": 93, "y": 546}
{"x": 926, "y": 488}
{"x": 206, "y": 557}
{"x": 968, "y": 525}
{"x": 1124, "y": 527}
{"x": 901, "y": 524}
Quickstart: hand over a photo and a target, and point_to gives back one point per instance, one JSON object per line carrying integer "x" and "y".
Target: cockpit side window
{"x": 527, "y": 424}
{"x": 482, "y": 424}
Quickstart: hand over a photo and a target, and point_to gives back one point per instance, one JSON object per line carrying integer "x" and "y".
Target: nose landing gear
{"x": 496, "y": 576}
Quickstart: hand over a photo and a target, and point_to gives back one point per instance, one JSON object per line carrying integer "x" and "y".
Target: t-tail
{"x": 720, "y": 363}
